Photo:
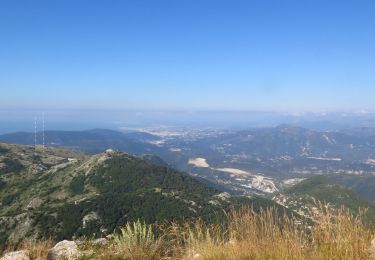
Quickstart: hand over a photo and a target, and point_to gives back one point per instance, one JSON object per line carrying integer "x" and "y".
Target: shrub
{"x": 137, "y": 240}
{"x": 77, "y": 184}
{"x": 12, "y": 165}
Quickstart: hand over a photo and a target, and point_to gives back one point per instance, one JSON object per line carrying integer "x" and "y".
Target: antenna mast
{"x": 35, "y": 119}
{"x": 43, "y": 129}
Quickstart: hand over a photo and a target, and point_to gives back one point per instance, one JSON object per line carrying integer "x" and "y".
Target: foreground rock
{"x": 17, "y": 255}
{"x": 64, "y": 250}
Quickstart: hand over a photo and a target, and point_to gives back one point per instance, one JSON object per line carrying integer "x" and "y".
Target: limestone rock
{"x": 92, "y": 216}
{"x": 17, "y": 255}
{"x": 64, "y": 250}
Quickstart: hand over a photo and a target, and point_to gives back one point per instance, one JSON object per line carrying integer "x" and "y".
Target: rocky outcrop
{"x": 17, "y": 255}
{"x": 64, "y": 250}
{"x": 90, "y": 217}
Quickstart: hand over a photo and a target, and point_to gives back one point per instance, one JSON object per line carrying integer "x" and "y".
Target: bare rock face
{"x": 17, "y": 255}
{"x": 64, "y": 250}
{"x": 92, "y": 216}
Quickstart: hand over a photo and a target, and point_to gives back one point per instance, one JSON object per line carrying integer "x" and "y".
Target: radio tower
{"x": 43, "y": 129}
{"x": 35, "y": 121}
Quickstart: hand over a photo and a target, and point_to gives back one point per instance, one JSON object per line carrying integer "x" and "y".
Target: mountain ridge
{"x": 61, "y": 194}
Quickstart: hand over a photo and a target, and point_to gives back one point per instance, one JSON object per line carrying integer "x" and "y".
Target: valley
{"x": 253, "y": 161}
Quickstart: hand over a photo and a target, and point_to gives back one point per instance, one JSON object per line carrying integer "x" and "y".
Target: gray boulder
{"x": 64, "y": 250}
{"x": 17, "y": 255}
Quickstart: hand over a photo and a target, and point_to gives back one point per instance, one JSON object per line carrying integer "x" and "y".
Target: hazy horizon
{"x": 22, "y": 120}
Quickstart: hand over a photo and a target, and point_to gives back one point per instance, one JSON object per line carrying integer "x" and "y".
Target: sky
{"x": 171, "y": 55}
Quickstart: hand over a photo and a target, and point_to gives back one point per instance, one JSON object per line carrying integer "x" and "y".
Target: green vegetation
{"x": 11, "y": 166}
{"x": 8, "y": 199}
{"x": 363, "y": 185}
{"x": 129, "y": 189}
{"x": 77, "y": 185}
{"x": 310, "y": 185}
{"x": 95, "y": 196}
{"x": 321, "y": 189}
{"x": 2, "y": 184}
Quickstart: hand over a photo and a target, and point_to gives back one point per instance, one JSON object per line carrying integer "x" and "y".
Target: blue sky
{"x": 187, "y": 55}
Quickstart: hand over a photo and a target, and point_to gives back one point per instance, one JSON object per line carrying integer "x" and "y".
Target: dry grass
{"x": 340, "y": 235}
{"x": 336, "y": 234}
{"x": 36, "y": 250}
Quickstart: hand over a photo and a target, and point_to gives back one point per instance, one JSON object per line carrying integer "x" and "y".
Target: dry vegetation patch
{"x": 336, "y": 234}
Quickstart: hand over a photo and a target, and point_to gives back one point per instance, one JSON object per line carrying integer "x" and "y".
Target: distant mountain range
{"x": 357, "y": 144}
{"x": 91, "y": 141}
{"x": 279, "y": 153}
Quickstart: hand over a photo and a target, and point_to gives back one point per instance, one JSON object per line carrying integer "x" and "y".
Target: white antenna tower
{"x": 43, "y": 129}
{"x": 35, "y": 121}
